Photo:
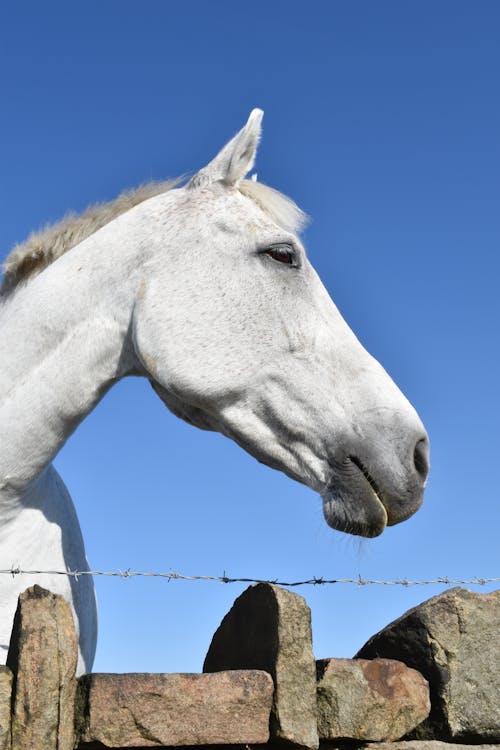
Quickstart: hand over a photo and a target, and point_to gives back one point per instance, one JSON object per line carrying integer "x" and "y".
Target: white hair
{"x": 281, "y": 209}
{"x": 44, "y": 246}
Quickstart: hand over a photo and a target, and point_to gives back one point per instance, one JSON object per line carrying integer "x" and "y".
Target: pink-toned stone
{"x": 146, "y": 710}
{"x": 5, "y": 701}
{"x": 269, "y": 628}
{"x": 379, "y": 700}
{"x": 43, "y": 656}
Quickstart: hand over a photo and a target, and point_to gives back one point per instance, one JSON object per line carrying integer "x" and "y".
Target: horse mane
{"x": 45, "y": 245}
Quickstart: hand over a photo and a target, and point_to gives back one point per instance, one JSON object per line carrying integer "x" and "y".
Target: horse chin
{"x": 356, "y": 510}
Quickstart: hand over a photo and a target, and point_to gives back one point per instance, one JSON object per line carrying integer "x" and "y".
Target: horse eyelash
{"x": 288, "y": 252}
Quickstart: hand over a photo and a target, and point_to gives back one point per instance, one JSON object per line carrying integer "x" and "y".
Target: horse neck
{"x": 63, "y": 342}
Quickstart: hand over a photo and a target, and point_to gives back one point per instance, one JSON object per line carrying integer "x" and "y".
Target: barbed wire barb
{"x": 171, "y": 575}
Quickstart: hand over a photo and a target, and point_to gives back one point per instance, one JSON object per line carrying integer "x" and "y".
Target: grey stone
{"x": 425, "y": 745}
{"x": 269, "y": 628}
{"x": 369, "y": 700}
{"x": 453, "y": 640}
{"x": 147, "y": 710}
{"x": 43, "y": 656}
{"x": 5, "y": 703}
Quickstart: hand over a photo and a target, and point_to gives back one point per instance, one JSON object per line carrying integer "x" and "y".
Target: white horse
{"x": 206, "y": 290}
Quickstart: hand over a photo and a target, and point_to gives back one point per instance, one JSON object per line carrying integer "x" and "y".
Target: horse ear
{"x": 236, "y": 158}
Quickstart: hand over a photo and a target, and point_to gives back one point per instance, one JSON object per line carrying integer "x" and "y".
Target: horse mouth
{"x": 373, "y": 484}
{"x": 354, "y": 502}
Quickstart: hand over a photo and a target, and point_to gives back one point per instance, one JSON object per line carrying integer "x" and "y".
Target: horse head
{"x": 237, "y": 334}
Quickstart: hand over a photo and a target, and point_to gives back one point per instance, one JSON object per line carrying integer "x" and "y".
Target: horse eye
{"x": 282, "y": 253}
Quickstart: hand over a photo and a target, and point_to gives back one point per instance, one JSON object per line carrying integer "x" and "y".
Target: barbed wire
{"x": 172, "y": 575}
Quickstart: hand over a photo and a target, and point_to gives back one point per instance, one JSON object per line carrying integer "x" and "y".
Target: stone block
{"x": 454, "y": 640}
{"x": 269, "y": 628}
{"x": 5, "y": 707}
{"x": 147, "y": 710}
{"x": 424, "y": 745}
{"x": 374, "y": 701}
{"x": 43, "y": 655}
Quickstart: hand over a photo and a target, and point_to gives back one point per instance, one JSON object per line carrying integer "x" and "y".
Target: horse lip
{"x": 353, "y": 501}
{"x": 394, "y": 513}
{"x": 370, "y": 480}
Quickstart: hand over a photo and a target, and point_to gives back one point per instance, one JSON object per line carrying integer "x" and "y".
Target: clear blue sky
{"x": 382, "y": 120}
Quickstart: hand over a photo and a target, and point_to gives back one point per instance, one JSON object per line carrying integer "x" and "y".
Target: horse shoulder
{"x": 48, "y": 513}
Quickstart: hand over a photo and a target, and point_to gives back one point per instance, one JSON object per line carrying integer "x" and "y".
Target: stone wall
{"x": 428, "y": 681}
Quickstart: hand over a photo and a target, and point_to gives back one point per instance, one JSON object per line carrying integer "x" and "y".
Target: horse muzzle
{"x": 362, "y": 499}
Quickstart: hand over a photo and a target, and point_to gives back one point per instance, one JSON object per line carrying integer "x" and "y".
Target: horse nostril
{"x": 421, "y": 458}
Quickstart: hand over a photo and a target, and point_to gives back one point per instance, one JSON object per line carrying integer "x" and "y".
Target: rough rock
{"x": 425, "y": 745}
{"x": 269, "y": 628}
{"x": 5, "y": 700}
{"x": 147, "y": 710}
{"x": 379, "y": 700}
{"x": 454, "y": 640}
{"x": 43, "y": 656}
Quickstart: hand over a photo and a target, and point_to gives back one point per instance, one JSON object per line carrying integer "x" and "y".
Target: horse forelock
{"x": 281, "y": 209}
{"x": 44, "y": 246}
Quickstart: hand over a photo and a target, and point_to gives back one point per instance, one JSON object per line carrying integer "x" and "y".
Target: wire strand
{"x": 172, "y": 575}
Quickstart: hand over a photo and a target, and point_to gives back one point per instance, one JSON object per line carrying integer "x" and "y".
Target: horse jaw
{"x": 188, "y": 413}
{"x": 362, "y": 492}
